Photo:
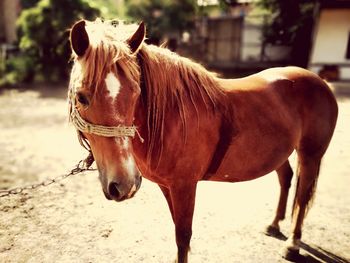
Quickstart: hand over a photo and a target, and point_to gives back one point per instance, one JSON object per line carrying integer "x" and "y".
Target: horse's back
{"x": 307, "y": 94}
{"x": 299, "y": 90}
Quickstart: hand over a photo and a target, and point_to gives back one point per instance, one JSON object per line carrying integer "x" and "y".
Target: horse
{"x": 144, "y": 111}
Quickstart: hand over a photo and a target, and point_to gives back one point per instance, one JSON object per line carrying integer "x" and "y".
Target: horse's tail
{"x": 311, "y": 193}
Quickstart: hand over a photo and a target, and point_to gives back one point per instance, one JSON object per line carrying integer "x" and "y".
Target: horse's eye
{"x": 82, "y": 99}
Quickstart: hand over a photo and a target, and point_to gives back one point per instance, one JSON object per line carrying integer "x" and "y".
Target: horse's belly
{"x": 250, "y": 161}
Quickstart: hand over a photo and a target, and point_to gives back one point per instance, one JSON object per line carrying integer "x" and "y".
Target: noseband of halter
{"x": 106, "y": 131}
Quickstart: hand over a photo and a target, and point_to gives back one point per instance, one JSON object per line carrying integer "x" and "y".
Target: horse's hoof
{"x": 291, "y": 254}
{"x": 177, "y": 261}
{"x": 272, "y": 231}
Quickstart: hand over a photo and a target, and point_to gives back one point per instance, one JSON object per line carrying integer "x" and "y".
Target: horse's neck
{"x": 154, "y": 76}
{"x": 172, "y": 89}
{"x": 140, "y": 146}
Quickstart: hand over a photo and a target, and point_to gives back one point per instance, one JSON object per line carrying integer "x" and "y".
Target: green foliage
{"x": 18, "y": 69}
{"x": 290, "y": 23}
{"x": 110, "y": 9}
{"x": 224, "y": 5}
{"x": 2, "y": 72}
{"x": 44, "y": 39}
{"x": 285, "y": 19}
{"x": 163, "y": 16}
{"x": 28, "y": 3}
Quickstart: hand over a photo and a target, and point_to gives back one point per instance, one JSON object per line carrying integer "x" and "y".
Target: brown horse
{"x": 192, "y": 125}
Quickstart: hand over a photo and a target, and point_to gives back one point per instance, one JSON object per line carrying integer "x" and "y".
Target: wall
{"x": 224, "y": 40}
{"x": 331, "y": 41}
{"x": 8, "y": 16}
{"x": 251, "y": 42}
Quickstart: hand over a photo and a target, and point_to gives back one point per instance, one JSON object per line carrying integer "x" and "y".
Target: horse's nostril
{"x": 113, "y": 190}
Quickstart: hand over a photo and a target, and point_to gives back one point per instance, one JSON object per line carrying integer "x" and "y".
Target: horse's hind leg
{"x": 306, "y": 186}
{"x": 285, "y": 174}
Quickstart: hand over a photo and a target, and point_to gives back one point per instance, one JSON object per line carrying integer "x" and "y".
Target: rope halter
{"x": 107, "y": 131}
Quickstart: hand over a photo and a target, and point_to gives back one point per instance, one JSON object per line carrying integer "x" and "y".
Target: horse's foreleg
{"x": 166, "y": 193}
{"x": 183, "y": 200}
{"x": 306, "y": 186}
{"x": 285, "y": 174}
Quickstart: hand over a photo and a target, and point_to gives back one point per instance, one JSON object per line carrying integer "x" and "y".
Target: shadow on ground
{"x": 312, "y": 254}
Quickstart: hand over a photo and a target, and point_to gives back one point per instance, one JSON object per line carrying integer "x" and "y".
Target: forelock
{"x": 107, "y": 48}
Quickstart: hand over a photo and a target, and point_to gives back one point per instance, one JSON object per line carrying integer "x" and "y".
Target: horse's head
{"x": 104, "y": 89}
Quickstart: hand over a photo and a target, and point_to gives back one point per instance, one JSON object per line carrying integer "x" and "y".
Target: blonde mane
{"x": 176, "y": 84}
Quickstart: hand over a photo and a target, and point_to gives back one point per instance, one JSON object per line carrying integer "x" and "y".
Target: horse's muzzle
{"x": 119, "y": 192}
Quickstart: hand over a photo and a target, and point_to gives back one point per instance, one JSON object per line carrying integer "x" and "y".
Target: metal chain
{"x": 82, "y": 166}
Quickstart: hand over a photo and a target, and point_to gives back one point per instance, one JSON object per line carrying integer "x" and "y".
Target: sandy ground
{"x": 71, "y": 221}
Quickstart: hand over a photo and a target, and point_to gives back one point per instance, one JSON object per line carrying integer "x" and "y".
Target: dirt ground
{"x": 71, "y": 221}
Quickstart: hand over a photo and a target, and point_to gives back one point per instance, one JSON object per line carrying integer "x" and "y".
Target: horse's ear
{"x": 137, "y": 38}
{"x": 79, "y": 38}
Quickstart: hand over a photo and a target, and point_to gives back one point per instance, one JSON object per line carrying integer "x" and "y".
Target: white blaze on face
{"x": 128, "y": 162}
{"x": 129, "y": 165}
{"x": 123, "y": 143}
{"x": 113, "y": 85}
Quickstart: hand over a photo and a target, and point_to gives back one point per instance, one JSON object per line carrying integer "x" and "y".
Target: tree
{"x": 290, "y": 23}
{"x": 163, "y": 16}
{"x": 110, "y": 9}
{"x": 44, "y": 38}
{"x": 28, "y": 3}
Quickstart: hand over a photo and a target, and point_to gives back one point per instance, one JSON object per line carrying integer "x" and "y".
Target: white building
{"x": 330, "y": 55}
